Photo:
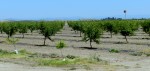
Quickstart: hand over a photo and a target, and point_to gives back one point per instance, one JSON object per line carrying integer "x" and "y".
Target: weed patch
{"x": 114, "y": 51}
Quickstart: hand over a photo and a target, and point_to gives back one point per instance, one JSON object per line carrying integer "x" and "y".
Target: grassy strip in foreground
{"x": 142, "y": 52}
{"x": 51, "y": 60}
{"x": 67, "y": 62}
{"x": 7, "y": 54}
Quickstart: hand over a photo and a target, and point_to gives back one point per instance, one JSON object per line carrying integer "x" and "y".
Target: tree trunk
{"x": 61, "y": 53}
{"x": 126, "y": 39}
{"x": 8, "y": 36}
{"x": 49, "y": 38}
{"x": 23, "y": 35}
{"x": 31, "y": 32}
{"x": 91, "y": 43}
{"x": 111, "y": 34}
{"x": 44, "y": 40}
{"x": 75, "y": 31}
{"x": 80, "y": 33}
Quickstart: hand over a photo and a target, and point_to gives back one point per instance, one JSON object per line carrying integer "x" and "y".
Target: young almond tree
{"x": 60, "y": 45}
{"x": 146, "y": 27}
{"x": 13, "y": 41}
{"x": 92, "y": 33}
{"x": 10, "y": 28}
{"x": 126, "y": 29}
{"x": 111, "y": 27}
{"x": 76, "y": 26}
{"x": 47, "y": 33}
{"x": 48, "y": 29}
{"x": 1, "y": 27}
{"x": 22, "y": 26}
{"x": 32, "y": 26}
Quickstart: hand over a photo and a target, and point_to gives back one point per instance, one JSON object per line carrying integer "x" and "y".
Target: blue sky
{"x": 72, "y": 9}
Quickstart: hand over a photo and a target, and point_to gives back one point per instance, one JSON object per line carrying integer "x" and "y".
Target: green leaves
{"x": 127, "y": 28}
{"x": 32, "y": 26}
{"x": 146, "y": 26}
{"x": 60, "y": 45}
{"x": 76, "y": 26}
{"x": 92, "y": 33}
{"x": 1, "y": 27}
{"x": 22, "y": 28}
{"x": 93, "y": 29}
{"x": 49, "y": 28}
{"x": 111, "y": 26}
{"x": 11, "y": 40}
{"x": 10, "y": 28}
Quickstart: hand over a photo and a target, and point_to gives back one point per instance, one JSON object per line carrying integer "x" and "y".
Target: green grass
{"x": 68, "y": 62}
{"x": 55, "y": 62}
{"x": 136, "y": 53}
{"x": 47, "y": 60}
{"x": 146, "y": 52}
{"x": 59, "y": 62}
{"x": 7, "y": 54}
{"x": 114, "y": 51}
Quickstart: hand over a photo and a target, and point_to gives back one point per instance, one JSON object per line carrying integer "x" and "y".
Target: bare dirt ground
{"x": 122, "y": 61}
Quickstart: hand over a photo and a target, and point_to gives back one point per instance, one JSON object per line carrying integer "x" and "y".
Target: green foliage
{"x": 24, "y": 52}
{"x": 126, "y": 29}
{"x": 114, "y": 51}
{"x": 8, "y": 54}
{"x": 148, "y": 54}
{"x": 67, "y": 62}
{"x": 1, "y": 27}
{"x": 54, "y": 62}
{"x": 2, "y": 52}
{"x": 22, "y": 28}
{"x": 48, "y": 61}
{"x": 134, "y": 25}
{"x": 95, "y": 57}
{"x": 137, "y": 53}
{"x": 111, "y": 26}
{"x": 32, "y": 26}
{"x": 12, "y": 40}
{"x": 71, "y": 57}
{"x": 10, "y": 28}
{"x": 92, "y": 33}
{"x": 76, "y": 26}
{"x": 49, "y": 28}
{"x": 60, "y": 45}
{"x": 146, "y": 26}
{"x": 53, "y": 55}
